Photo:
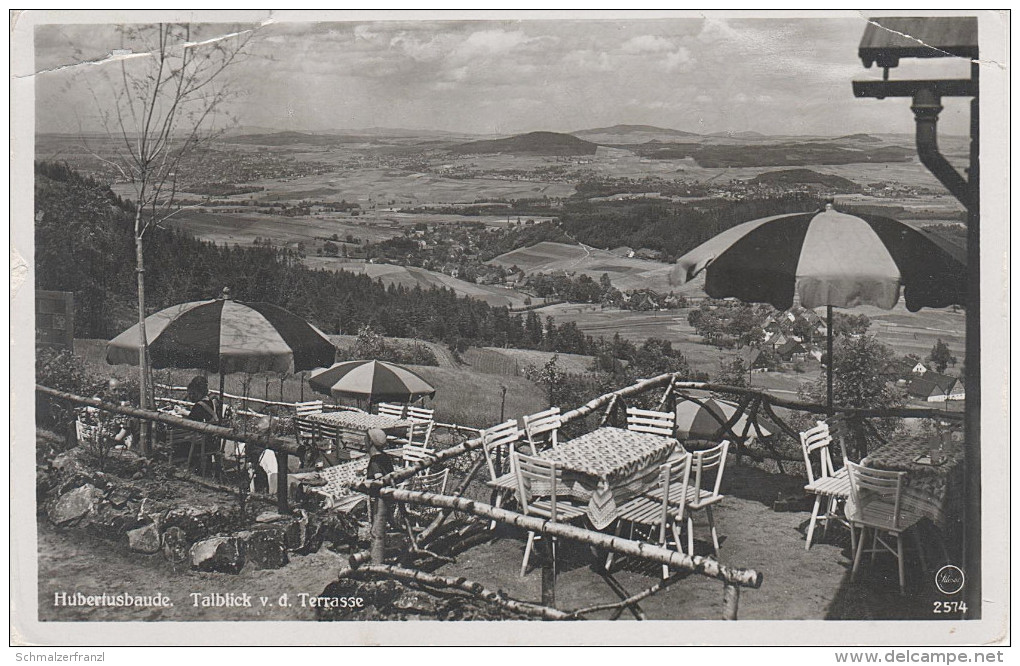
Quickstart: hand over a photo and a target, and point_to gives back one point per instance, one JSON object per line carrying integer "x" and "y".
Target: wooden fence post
{"x": 731, "y": 601}
{"x": 549, "y": 573}
{"x": 282, "y": 506}
{"x": 380, "y": 513}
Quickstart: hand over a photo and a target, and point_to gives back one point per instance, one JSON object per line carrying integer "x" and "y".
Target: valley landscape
{"x": 422, "y": 315}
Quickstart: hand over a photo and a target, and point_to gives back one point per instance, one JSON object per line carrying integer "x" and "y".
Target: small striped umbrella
{"x": 226, "y": 336}
{"x": 830, "y": 258}
{"x": 694, "y": 421}
{"x": 371, "y": 381}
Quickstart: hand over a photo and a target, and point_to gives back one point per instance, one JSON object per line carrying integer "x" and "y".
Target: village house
{"x": 792, "y": 350}
{"x": 755, "y": 359}
{"x": 933, "y": 387}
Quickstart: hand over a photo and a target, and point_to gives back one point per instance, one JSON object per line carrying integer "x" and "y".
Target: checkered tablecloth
{"x": 935, "y": 491}
{"x": 359, "y": 421}
{"x": 607, "y": 467}
{"x": 338, "y": 478}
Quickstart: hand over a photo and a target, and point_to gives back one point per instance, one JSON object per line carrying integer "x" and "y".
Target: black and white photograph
{"x": 492, "y": 327}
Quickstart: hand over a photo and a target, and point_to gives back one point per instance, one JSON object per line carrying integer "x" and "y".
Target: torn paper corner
{"x": 19, "y": 271}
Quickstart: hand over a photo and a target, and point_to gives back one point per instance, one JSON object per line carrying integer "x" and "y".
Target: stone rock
{"x": 222, "y": 553}
{"x": 110, "y": 522}
{"x": 145, "y": 539}
{"x": 176, "y": 547}
{"x": 71, "y": 507}
{"x": 265, "y": 549}
{"x": 270, "y": 517}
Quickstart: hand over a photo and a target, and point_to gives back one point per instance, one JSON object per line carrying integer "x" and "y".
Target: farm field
{"x": 399, "y": 186}
{"x": 625, "y": 273}
{"x": 513, "y": 362}
{"x": 243, "y": 228}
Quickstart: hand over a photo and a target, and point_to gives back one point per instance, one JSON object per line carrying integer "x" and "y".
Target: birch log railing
{"x": 385, "y": 491}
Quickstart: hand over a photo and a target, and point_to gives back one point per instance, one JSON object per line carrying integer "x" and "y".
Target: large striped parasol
{"x": 696, "y": 421}
{"x": 371, "y": 381}
{"x": 830, "y": 258}
{"x": 833, "y": 259}
{"x": 226, "y": 336}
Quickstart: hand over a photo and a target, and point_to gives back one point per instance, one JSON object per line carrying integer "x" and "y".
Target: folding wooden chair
{"x": 546, "y": 474}
{"x": 416, "y": 450}
{"x": 306, "y": 408}
{"x": 390, "y": 409}
{"x": 206, "y": 448}
{"x": 427, "y": 482}
{"x": 703, "y": 463}
{"x": 543, "y": 426}
{"x": 877, "y": 505}
{"x": 497, "y": 442}
{"x": 830, "y": 484}
{"x": 661, "y": 508}
{"x": 653, "y": 423}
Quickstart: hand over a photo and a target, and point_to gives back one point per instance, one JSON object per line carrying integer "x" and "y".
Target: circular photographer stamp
{"x": 949, "y": 579}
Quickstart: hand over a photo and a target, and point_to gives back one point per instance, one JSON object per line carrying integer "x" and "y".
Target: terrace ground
{"x": 798, "y": 584}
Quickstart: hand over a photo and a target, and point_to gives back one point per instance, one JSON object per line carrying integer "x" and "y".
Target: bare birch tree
{"x": 161, "y": 102}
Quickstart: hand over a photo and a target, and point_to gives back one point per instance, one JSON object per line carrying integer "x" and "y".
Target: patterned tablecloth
{"x": 609, "y": 466}
{"x": 359, "y": 421}
{"x": 353, "y": 426}
{"x": 338, "y": 479}
{"x": 934, "y": 491}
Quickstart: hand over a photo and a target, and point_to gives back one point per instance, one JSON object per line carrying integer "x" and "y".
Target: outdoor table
{"x": 607, "y": 467}
{"x": 932, "y": 491}
{"x": 333, "y": 482}
{"x": 352, "y": 425}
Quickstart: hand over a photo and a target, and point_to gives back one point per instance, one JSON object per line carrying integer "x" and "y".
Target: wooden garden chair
{"x": 390, "y": 409}
{"x": 543, "y": 426}
{"x": 416, "y": 449}
{"x": 703, "y": 464}
{"x": 662, "y": 509}
{"x": 497, "y": 444}
{"x": 426, "y": 482}
{"x": 830, "y": 484}
{"x": 306, "y": 408}
{"x": 876, "y": 505}
{"x": 532, "y": 471}
{"x": 651, "y": 422}
{"x": 195, "y": 443}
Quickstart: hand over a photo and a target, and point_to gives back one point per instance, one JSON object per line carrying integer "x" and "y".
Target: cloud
{"x": 647, "y": 44}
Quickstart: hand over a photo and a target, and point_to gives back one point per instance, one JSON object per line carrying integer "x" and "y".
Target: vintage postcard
{"x": 474, "y": 327}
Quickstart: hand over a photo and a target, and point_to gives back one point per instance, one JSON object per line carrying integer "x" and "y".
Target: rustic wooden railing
{"x": 610, "y": 407}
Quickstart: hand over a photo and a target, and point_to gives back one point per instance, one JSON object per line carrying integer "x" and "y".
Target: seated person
{"x": 206, "y": 408}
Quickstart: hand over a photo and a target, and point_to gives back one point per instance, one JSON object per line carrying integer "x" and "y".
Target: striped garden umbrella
{"x": 226, "y": 336}
{"x": 694, "y": 421}
{"x": 833, "y": 259}
{"x": 371, "y": 381}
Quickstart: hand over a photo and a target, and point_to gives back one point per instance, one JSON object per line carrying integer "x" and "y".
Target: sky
{"x": 775, "y": 76}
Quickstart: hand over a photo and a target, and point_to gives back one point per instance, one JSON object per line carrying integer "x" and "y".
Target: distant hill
{"x": 807, "y": 177}
{"x": 532, "y": 143}
{"x": 740, "y": 135}
{"x": 863, "y": 138}
{"x": 630, "y": 134}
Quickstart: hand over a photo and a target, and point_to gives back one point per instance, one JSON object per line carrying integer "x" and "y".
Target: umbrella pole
{"x": 828, "y": 342}
{"x": 222, "y": 401}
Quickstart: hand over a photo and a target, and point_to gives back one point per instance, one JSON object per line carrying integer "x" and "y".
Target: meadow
{"x": 625, "y": 273}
